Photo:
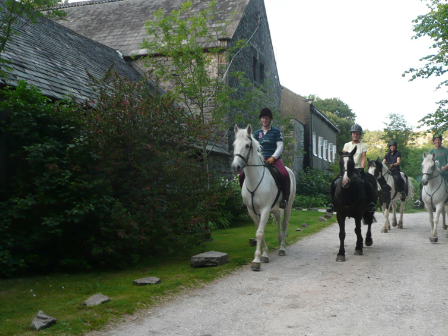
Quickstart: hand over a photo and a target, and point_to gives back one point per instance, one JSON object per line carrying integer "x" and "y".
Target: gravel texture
{"x": 398, "y": 287}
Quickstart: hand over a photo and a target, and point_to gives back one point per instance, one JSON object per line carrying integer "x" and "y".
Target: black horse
{"x": 349, "y": 192}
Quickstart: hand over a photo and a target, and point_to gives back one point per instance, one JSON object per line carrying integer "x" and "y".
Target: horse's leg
{"x": 386, "y": 226}
{"x": 369, "y": 240}
{"x": 394, "y": 212}
{"x": 402, "y": 206}
{"x": 359, "y": 243}
{"x": 434, "y": 238}
{"x": 282, "y": 229}
{"x": 444, "y": 218}
{"x": 428, "y": 207}
{"x": 341, "y": 222}
{"x": 264, "y": 216}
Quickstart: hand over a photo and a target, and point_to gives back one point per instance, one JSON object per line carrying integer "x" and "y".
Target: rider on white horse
{"x": 441, "y": 155}
{"x": 360, "y": 160}
{"x": 393, "y": 158}
{"x": 271, "y": 140}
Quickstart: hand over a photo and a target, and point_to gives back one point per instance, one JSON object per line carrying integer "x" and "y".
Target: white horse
{"x": 384, "y": 178}
{"x": 259, "y": 192}
{"x": 434, "y": 193}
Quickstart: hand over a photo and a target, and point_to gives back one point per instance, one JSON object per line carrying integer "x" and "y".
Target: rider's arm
{"x": 279, "y": 150}
{"x": 363, "y": 159}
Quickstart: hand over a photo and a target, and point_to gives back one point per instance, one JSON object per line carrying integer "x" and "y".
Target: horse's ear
{"x": 368, "y": 160}
{"x": 354, "y": 151}
{"x": 437, "y": 164}
{"x": 249, "y": 129}
{"x": 340, "y": 152}
{"x": 378, "y": 158}
{"x": 236, "y": 129}
{"x": 424, "y": 155}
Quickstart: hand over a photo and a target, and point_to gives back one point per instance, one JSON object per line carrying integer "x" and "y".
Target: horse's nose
{"x": 424, "y": 182}
{"x": 236, "y": 168}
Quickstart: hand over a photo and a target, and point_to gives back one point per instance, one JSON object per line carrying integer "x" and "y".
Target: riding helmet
{"x": 437, "y": 135}
{"x": 265, "y": 112}
{"x": 356, "y": 128}
{"x": 393, "y": 143}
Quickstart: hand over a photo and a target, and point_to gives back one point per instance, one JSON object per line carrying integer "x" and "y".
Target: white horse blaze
{"x": 345, "y": 179}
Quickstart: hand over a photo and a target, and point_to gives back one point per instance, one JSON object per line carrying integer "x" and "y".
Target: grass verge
{"x": 61, "y": 295}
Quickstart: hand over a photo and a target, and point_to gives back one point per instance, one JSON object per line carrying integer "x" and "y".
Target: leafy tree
{"x": 29, "y": 10}
{"x": 180, "y": 61}
{"x": 434, "y": 25}
{"x": 399, "y": 130}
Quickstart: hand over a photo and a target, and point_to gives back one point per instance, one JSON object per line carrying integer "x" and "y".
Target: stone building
{"x": 120, "y": 24}
{"x": 318, "y": 142}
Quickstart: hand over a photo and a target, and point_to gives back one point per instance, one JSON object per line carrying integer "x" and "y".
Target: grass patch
{"x": 61, "y": 295}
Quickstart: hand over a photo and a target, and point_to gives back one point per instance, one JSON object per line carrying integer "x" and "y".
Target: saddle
{"x": 406, "y": 181}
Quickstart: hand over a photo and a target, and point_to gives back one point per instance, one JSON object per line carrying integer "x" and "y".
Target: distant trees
{"x": 339, "y": 113}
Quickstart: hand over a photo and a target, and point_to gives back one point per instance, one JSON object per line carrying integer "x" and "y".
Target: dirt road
{"x": 398, "y": 287}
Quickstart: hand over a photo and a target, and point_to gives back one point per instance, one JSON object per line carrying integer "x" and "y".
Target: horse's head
{"x": 429, "y": 167}
{"x": 346, "y": 166}
{"x": 244, "y": 148}
{"x": 375, "y": 167}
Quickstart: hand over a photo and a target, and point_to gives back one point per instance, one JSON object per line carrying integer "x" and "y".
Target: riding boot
{"x": 330, "y": 208}
{"x": 286, "y": 193}
{"x": 420, "y": 204}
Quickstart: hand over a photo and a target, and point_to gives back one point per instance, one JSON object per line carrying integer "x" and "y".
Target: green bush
{"x": 101, "y": 186}
{"x": 311, "y": 182}
{"x": 317, "y": 201}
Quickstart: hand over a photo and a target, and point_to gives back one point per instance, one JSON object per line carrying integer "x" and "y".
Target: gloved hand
{"x": 271, "y": 160}
{"x": 391, "y": 165}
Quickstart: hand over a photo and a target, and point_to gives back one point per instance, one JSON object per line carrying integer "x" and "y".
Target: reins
{"x": 442, "y": 180}
{"x": 252, "y": 193}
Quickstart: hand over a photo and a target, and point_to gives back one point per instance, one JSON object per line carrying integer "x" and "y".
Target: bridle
{"x": 246, "y": 159}
{"x": 442, "y": 180}
{"x": 432, "y": 171}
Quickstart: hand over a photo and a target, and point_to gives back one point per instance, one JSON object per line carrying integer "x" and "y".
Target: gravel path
{"x": 398, "y": 287}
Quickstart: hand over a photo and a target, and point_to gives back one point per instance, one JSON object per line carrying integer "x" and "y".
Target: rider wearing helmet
{"x": 360, "y": 161}
{"x": 440, "y": 155}
{"x": 271, "y": 140}
{"x": 393, "y": 158}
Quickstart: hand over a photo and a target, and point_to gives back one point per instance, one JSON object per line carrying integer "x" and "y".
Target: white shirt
{"x": 362, "y": 147}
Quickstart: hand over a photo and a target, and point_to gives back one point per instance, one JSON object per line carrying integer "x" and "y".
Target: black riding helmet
{"x": 265, "y": 112}
{"x": 356, "y": 128}
{"x": 437, "y": 135}
{"x": 393, "y": 143}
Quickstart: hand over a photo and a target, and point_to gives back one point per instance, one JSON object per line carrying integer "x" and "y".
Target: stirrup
{"x": 283, "y": 204}
{"x": 330, "y": 208}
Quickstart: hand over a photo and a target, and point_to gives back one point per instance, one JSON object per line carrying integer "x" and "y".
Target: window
{"x": 320, "y": 147}
{"x": 330, "y": 147}
{"x": 324, "y": 151}
{"x": 261, "y": 72}
{"x": 254, "y": 68}
{"x": 314, "y": 144}
{"x": 334, "y": 153}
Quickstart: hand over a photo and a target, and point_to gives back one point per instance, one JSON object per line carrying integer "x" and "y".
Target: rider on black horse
{"x": 360, "y": 160}
{"x": 393, "y": 158}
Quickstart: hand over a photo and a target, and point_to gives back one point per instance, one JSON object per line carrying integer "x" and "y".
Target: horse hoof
{"x": 255, "y": 266}
{"x": 394, "y": 224}
{"x": 281, "y": 252}
{"x": 445, "y": 227}
{"x": 265, "y": 260}
{"x": 358, "y": 252}
{"x": 340, "y": 258}
{"x": 369, "y": 242}
{"x": 433, "y": 239}
{"x": 384, "y": 230}
{"x": 400, "y": 226}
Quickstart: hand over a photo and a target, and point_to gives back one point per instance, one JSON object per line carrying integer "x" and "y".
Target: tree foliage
{"x": 102, "y": 186}
{"x": 340, "y": 114}
{"x": 434, "y": 25}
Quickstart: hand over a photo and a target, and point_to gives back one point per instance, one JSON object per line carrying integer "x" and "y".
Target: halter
{"x": 433, "y": 177}
{"x": 246, "y": 159}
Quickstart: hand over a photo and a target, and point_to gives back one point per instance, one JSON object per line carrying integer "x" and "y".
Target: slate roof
{"x": 120, "y": 24}
{"x": 56, "y": 60}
